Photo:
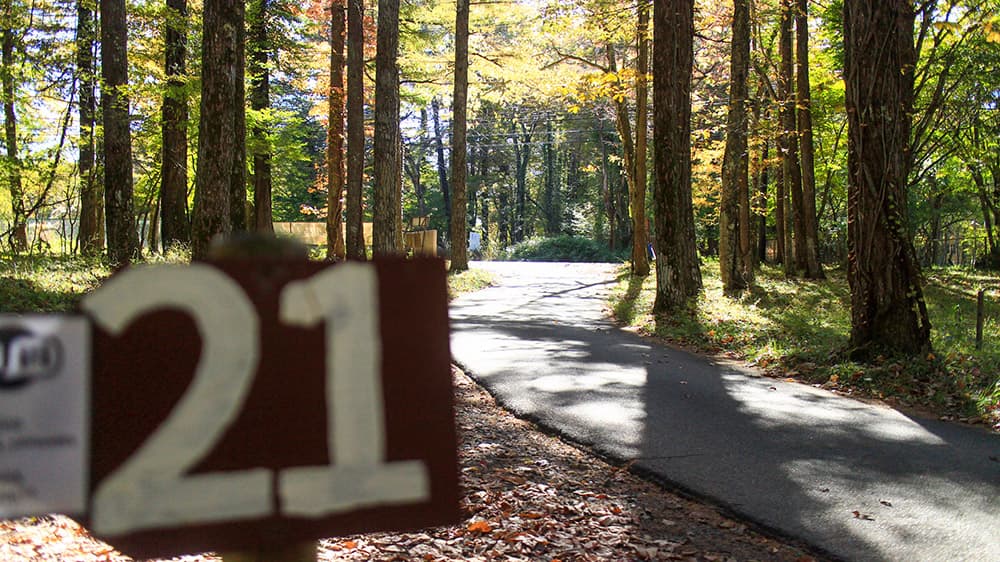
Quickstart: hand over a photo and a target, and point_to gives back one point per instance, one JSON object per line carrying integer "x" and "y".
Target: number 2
{"x": 150, "y": 489}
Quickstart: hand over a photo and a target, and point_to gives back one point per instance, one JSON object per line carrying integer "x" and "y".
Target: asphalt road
{"x": 857, "y": 481}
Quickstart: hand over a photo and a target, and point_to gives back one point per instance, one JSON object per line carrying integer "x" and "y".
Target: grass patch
{"x": 47, "y": 283}
{"x": 468, "y": 281}
{"x": 790, "y": 327}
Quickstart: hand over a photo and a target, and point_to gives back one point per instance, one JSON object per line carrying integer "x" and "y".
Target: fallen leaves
{"x": 863, "y": 516}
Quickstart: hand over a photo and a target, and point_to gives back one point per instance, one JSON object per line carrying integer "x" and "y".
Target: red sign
{"x": 246, "y": 404}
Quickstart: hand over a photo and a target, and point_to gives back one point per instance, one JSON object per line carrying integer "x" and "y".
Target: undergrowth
{"x": 561, "y": 249}
{"x": 799, "y": 329}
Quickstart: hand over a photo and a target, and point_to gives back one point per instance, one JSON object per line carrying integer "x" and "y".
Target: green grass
{"x": 47, "y": 284}
{"x": 467, "y": 282}
{"x": 799, "y": 329}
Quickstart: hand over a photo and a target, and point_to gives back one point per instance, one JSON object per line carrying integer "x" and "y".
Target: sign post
{"x": 254, "y": 406}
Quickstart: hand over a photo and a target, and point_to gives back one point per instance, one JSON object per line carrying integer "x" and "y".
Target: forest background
{"x": 558, "y": 120}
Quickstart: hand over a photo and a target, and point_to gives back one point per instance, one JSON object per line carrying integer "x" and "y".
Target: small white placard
{"x": 44, "y": 414}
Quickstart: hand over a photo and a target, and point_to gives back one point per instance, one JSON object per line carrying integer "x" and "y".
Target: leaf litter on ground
{"x": 526, "y": 496}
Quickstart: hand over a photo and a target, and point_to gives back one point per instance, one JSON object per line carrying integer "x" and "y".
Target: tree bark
{"x": 551, "y": 204}
{"x": 442, "y": 167}
{"x": 887, "y": 304}
{"x": 19, "y": 229}
{"x": 91, "y": 232}
{"x": 123, "y": 240}
{"x": 459, "y": 169}
{"x": 335, "y": 174}
{"x": 238, "y": 214}
{"x": 640, "y": 234}
{"x": 791, "y": 172}
{"x": 736, "y": 267}
{"x": 175, "y": 229}
{"x": 810, "y": 224}
{"x": 678, "y": 277}
{"x": 217, "y": 131}
{"x": 355, "y": 130}
{"x": 385, "y": 241}
{"x": 261, "y": 52}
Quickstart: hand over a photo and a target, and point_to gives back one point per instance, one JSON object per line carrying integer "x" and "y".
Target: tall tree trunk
{"x": 736, "y": 267}
{"x": 678, "y": 277}
{"x": 123, "y": 240}
{"x": 385, "y": 241}
{"x": 238, "y": 178}
{"x": 355, "y": 130}
{"x": 640, "y": 234}
{"x": 887, "y": 304}
{"x": 762, "y": 180}
{"x": 19, "y": 229}
{"x": 260, "y": 54}
{"x": 522, "y": 157}
{"x": 217, "y": 132}
{"x": 810, "y": 227}
{"x": 459, "y": 169}
{"x": 91, "y": 232}
{"x": 791, "y": 171}
{"x": 551, "y": 184}
{"x": 442, "y": 167}
{"x": 173, "y": 189}
{"x": 335, "y": 174}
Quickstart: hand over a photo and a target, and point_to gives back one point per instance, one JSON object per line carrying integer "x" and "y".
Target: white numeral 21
{"x": 151, "y": 489}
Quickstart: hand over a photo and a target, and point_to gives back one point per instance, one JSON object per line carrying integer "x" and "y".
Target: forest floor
{"x": 526, "y": 496}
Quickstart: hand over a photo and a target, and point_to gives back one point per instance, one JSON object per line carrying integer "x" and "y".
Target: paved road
{"x": 791, "y": 457}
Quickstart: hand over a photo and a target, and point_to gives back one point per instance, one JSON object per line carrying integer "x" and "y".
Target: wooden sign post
{"x": 255, "y": 406}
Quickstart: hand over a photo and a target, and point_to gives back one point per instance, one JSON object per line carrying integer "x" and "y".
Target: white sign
{"x": 44, "y": 414}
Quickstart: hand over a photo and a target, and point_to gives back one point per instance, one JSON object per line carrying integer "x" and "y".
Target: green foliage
{"x": 468, "y": 281}
{"x": 561, "y": 249}
{"x": 791, "y": 328}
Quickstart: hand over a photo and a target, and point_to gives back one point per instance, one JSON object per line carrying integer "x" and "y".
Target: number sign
{"x": 244, "y": 404}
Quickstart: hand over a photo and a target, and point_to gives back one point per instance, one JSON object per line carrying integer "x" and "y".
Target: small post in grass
{"x": 980, "y": 313}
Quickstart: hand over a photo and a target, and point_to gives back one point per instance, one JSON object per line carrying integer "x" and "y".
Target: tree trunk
{"x": 678, "y": 277}
{"x": 442, "y": 167}
{"x": 810, "y": 226}
{"x": 640, "y": 235}
{"x": 887, "y": 304}
{"x": 355, "y": 130}
{"x": 238, "y": 177}
{"x": 173, "y": 190}
{"x": 123, "y": 240}
{"x": 459, "y": 170}
{"x": 217, "y": 131}
{"x": 258, "y": 58}
{"x": 91, "y": 234}
{"x": 736, "y": 267}
{"x": 791, "y": 172}
{"x": 551, "y": 184}
{"x": 522, "y": 157}
{"x": 335, "y": 247}
{"x": 385, "y": 241}
{"x": 19, "y": 230}
{"x": 762, "y": 180}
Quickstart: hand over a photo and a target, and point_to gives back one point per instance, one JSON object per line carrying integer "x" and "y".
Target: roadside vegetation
{"x": 798, "y": 329}
{"x": 561, "y": 249}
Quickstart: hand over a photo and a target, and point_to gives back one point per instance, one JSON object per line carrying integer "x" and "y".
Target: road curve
{"x": 857, "y": 481}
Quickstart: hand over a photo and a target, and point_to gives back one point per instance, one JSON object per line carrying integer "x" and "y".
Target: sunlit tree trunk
{"x": 218, "y": 153}
{"x": 810, "y": 227}
{"x": 788, "y": 143}
{"x": 678, "y": 277}
{"x": 442, "y": 167}
{"x": 385, "y": 240}
{"x": 459, "y": 171}
{"x": 123, "y": 240}
{"x": 91, "y": 230}
{"x": 355, "y": 130}
{"x": 173, "y": 190}
{"x": 19, "y": 231}
{"x": 887, "y": 304}
{"x": 640, "y": 235}
{"x": 335, "y": 247}
{"x": 736, "y": 267}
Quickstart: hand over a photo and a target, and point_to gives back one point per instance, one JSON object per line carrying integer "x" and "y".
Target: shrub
{"x": 560, "y": 248}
